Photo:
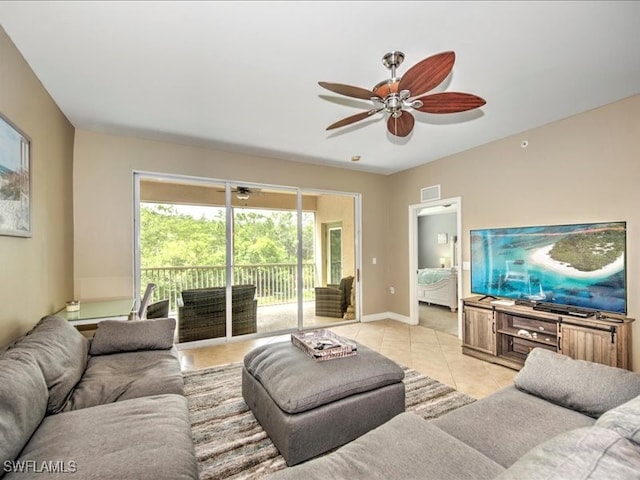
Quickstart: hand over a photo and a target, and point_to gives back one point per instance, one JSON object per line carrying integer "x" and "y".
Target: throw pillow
{"x": 115, "y": 336}
{"x": 587, "y": 387}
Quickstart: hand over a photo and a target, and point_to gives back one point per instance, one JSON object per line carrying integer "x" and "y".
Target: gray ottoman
{"x": 308, "y": 408}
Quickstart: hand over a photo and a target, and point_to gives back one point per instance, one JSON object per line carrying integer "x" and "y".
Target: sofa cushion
{"x": 114, "y": 336}
{"x": 144, "y": 438}
{"x": 584, "y": 386}
{"x": 23, "y": 402}
{"x": 62, "y": 353}
{"x": 406, "y": 447}
{"x": 583, "y": 454}
{"x": 509, "y": 423}
{"x": 624, "y": 420}
{"x": 297, "y": 383}
{"x": 121, "y": 376}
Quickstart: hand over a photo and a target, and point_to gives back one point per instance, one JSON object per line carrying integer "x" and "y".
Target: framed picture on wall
{"x": 15, "y": 180}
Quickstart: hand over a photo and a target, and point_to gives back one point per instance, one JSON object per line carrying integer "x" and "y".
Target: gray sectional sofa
{"x": 562, "y": 419}
{"x": 110, "y": 407}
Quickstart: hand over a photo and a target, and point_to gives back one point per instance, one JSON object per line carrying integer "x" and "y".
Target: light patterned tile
{"x": 427, "y": 337}
{"x": 429, "y": 357}
{"x": 448, "y": 339}
{"x": 433, "y": 353}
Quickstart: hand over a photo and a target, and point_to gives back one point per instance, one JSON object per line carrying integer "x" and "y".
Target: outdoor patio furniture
{"x": 158, "y": 309}
{"x": 202, "y": 312}
{"x": 333, "y": 300}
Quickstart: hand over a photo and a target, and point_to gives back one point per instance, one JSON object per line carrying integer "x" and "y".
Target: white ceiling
{"x": 242, "y": 76}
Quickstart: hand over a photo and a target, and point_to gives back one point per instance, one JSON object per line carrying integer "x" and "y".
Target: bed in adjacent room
{"x": 438, "y": 286}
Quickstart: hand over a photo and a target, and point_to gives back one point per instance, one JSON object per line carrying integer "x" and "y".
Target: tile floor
{"x": 431, "y": 352}
{"x": 438, "y": 317}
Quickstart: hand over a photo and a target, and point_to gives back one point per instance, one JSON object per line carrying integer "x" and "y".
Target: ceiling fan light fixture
{"x": 393, "y": 103}
{"x": 242, "y": 193}
{"x": 386, "y": 88}
{"x": 398, "y": 94}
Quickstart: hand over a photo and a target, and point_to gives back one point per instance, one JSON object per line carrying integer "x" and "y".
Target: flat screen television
{"x": 581, "y": 265}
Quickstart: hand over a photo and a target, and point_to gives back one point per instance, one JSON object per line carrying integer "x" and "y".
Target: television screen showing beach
{"x": 575, "y": 265}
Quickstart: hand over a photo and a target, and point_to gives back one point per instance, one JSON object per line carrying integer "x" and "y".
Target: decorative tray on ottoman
{"x": 323, "y": 344}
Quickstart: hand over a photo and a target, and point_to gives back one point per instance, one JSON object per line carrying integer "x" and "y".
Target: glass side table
{"x": 92, "y": 312}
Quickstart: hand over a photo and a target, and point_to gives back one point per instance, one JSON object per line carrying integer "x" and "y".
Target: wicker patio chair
{"x": 333, "y": 300}
{"x": 158, "y": 309}
{"x": 202, "y": 312}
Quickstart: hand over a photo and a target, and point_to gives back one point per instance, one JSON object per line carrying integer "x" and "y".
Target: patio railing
{"x": 275, "y": 282}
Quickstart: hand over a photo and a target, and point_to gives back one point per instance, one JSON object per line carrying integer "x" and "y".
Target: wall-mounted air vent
{"x": 429, "y": 194}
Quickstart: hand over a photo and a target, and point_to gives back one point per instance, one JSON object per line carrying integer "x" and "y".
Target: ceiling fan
{"x": 399, "y": 94}
{"x": 243, "y": 193}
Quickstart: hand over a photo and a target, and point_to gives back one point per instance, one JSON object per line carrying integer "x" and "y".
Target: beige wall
{"x": 36, "y": 273}
{"x": 103, "y": 204}
{"x": 581, "y": 169}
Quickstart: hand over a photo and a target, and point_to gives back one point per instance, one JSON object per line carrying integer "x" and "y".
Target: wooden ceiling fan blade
{"x": 348, "y": 90}
{"x": 354, "y": 118}
{"x": 402, "y": 125}
{"x": 427, "y": 74}
{"x": 449, "y": 102}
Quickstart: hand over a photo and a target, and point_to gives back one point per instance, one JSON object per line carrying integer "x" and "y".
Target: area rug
{"x": 231, "y": 444}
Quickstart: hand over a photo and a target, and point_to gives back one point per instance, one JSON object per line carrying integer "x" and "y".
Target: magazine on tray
{"x": 323, "y": 344}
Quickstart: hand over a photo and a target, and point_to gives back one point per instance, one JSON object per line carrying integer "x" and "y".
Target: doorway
{"x": 434, "y": 264}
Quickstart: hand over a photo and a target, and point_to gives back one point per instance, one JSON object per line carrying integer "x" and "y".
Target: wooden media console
{"x": 505, "y": 334}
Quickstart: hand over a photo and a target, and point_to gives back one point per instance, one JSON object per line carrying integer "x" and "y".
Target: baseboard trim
{"x": 387, "y": 316}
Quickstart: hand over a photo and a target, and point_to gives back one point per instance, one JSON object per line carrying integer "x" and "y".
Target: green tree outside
{"x": 172, "y": 239}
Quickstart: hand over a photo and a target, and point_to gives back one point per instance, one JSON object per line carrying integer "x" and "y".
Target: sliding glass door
{"x": 265, "y": 253}
{"x": 182, "y": 249}
{"x": 245, "y": 259}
